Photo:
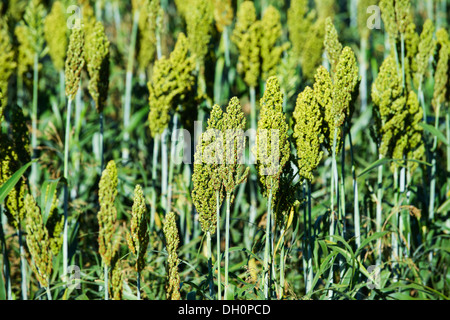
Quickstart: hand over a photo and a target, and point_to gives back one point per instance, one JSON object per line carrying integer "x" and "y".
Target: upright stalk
{"x": 357, "y": 218}
{"x": 309, "y": 273}
{"x": 105, "y": 276}
{"x": 128, "y": 88}
{"x": 138, "y": 285}
{"x": 209, "y": 257}
{"x": 394, "y": 221}
{"x": 23, "y": 269}
{"x": 62, "y": 91}
{"x": 154, "y": 173}
{"x": 66, "y": 189}
{"x": 227, "y": 243}
{"x": 49, "y": 295}
{"x": 378, "y": 219}
{"x": 164, "y": 162}
{"x": 6, "y": 268}
{"x": 219, "y": 287}
{"x": 282, "y": 254}
{"x": 226, "y": 46}
{"x": 363, "y": 85}
{"x": 334, "y": 188}
{"x": 102, "y": 160}
{"x": 171, "y": 162}
{"x": 267, "y": 247}
{"x": 34, "y": 174}
{"x": 433, "y": 167}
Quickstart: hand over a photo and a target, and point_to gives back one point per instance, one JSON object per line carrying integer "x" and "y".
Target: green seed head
{"x": 333, "y": 47}
{"x": 138, "y": 238}
{"x": 308, "y": 132}
{"x": 74, "y": 62}
{"x": 33, "y": 19}
{"x": 9, "y": 164}
{"x": 388, "y": 15}
{"x": 172, "y": 241}
{"x": 233, "y": 171}
{"x": 246, "y": 36}
{"x": 172, "y": 84}
{"x": 272, "y": 140}
{"x": 56, "y": 35}
{"x": 147, "y": 33}
{"x": 441, "y": 76}
{"x": 97, "y": 60}
{"x": 311, "y": 58}
{"x": 345, "y": 81}
{"x": 402, "y": 12}
{"x": 271, "y": 32}
{"x": 206, "y": 177}
{"x": 38, "y": 242}
{"x": 299, "y": 23}
{"x": 199, "y": 19}
{"x": 7, "y": 64}
{"x": 426, "y": 48}
{"x": 325, "y": 8}
{"x": 108, "y": 213}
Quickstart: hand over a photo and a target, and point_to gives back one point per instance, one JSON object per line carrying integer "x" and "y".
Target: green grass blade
{"x": 8, "y": 185}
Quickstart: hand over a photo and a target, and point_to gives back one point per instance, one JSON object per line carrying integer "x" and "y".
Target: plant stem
{"x": 164, "y": 161}
{"x": 49, "y": 295}
{"x": 23, "y": 269}
{"x": 105, "y": 276}
{"x": 227, "y": 243}
{"x": 62, "y": 92}
{"x": 363, "y": 69}
{"x": 334, "y": 188}
{"x": 171, "y": 161}
{"x": 379, "y": 209}
{"x": 102, "y": 161}
{"x": 6, "y": 268}
{"x": 34, "y": 174}
{"x": 433, "y": 168}
{"x": 138, "y": 284}
{"x": 394, "y": 220}
{"x": 154, "y": 173}
{"x": 311, "y": 239}
{"x": 128, "y": 87}
{"x": 280, "y": 295}
{"x": 219, "y": 287}
{"x": 66, "y": 189}
{"x": 226, "y": 46}
{"x": 210, "y": 276}
{"x": 267, "y": 247}
{"x": 357, "y": 218}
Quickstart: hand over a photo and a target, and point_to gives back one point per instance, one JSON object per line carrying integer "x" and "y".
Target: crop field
{"x": 224, "y": 150}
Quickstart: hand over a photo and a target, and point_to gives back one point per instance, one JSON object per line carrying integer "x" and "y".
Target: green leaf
{"x": 383, "y": 161}
{"x": 8, "y": 185}
{"x": 374, "y": 165}
{"x": 435, "y": 132}
{"x": 46, "y": 205}
{"x": 373, "y": 237}
{"x": 444, "y": 207}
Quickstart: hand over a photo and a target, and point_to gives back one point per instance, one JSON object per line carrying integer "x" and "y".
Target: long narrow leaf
{"x": 8, "y": 185}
